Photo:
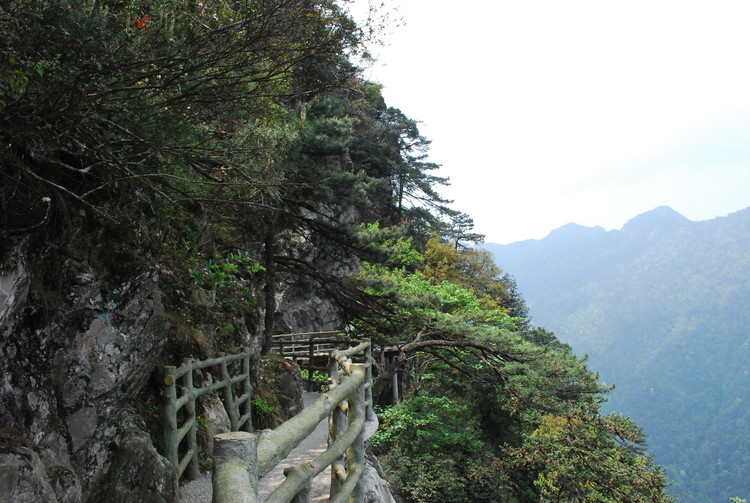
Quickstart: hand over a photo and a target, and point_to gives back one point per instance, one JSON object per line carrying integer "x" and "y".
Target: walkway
{"x": 200, "y": 490}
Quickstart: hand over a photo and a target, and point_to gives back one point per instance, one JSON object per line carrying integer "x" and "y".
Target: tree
{"x": 584, "y": 456}
{"x": 533, "y": 405}
{"x": 186, "y": 123}
{"x": 389, "y": 146}
{"x": 105, "y": 103}
{"x": 329, "y": 187}
{"x": 476, "y": 270}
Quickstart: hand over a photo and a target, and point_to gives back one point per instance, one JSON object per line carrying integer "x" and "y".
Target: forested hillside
{"x": 661, "y": 308}
{"x": 176, "y": 176}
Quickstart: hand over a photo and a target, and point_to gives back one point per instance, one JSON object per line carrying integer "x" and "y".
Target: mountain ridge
{"x": 660, "y": 308}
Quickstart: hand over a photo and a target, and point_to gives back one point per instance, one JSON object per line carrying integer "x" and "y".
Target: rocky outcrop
{"x": 377, "y": 489}
{"x": 74, "y": 355}
{"x": 136, "y": 472}
{"x": 290, "y": 392}
{"x": 14, "y": 287}
{"x": 303, "y": 310}
{"x": 216, "y": 421}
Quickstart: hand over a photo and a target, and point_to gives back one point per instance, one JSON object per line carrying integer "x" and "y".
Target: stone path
{"x": 200, "y": 490}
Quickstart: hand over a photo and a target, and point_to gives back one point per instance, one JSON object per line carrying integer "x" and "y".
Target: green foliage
{"x": 489, "y": 392}
{"x": 433, "y": 449}
{"x": 172, "y": 101}
{"x": 264, "y": 414}
{"x": 418, "y": 300}
{"x": 589, "y": 457}
{"x": 396, "y": 250}
{"x": 320, "y": 379}
{"x": 428, "y": 425}
{"x": 234, "y": 270}
{"x": 476, "y": 271}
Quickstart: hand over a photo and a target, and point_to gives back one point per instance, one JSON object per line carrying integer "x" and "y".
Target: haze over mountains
{"x": 662, "y": 308}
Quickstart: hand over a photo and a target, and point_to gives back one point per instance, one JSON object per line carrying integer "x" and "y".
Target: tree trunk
{"x": 270, "y": 287}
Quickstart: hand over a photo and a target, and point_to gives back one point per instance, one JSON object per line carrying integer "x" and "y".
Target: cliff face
{"x": 75, "y": 351}
{"x": 80, "y": 337}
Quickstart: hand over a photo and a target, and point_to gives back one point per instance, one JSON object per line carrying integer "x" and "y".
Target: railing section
{"x": 180, "y": 420}
{"x": 309, "y": 349}
{"x": 240, "y": 459}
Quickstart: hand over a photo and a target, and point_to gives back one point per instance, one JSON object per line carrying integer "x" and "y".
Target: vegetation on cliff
{"x": 235, "y": 148}
{"x": 497, "y": 411}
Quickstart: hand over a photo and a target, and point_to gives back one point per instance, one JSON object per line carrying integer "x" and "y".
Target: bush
{"x": 432, "y": 450}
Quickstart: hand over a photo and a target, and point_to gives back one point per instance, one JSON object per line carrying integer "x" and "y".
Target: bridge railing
{"x": 180, "y": 419}
{"x": 309, "y": 350}
{"x": 240, "y": 459}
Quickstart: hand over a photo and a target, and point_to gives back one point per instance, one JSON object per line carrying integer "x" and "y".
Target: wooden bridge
{"x": 240, "y": 458}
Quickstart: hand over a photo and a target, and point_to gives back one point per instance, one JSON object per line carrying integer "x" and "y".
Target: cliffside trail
{"x": 200, "y": 490}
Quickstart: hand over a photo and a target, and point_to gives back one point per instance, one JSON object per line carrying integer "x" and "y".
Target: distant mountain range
{"x": 662, "y": 308}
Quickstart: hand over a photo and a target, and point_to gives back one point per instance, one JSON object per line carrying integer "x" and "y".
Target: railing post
{"x": 310, "y": 363}
{"x": 235, "y": 468}
{"x": 355, "y": 454}
{"x": 228, "y": 395}
{"x": 303, "y": 496}
{"x": 193, "y": 471}
{"x": 171, "y": 443}
{"x": 394, "y": 382}
{"x": 336, "y": 428}
{"x": 239, "y": 457}
{"x": 368, "y": 391}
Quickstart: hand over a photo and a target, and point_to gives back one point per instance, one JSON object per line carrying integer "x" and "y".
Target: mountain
{"x": 662, "y": 308}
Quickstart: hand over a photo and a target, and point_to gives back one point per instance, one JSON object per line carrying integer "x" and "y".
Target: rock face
{"x": 137, "y": 473}
{"x": 81, "y": 332}
{"x": 290, "y": 390}
{"x": 66, "y": 432}
{"x": 302, "y": 310}
{"x": 377, "y": 489}
{"x": 217, "y": 420}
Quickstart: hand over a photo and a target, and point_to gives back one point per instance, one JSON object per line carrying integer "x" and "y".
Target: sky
{"x": 545, "y": 112}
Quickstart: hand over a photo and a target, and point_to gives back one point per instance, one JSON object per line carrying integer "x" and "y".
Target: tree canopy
{"x": 509, "y": 410}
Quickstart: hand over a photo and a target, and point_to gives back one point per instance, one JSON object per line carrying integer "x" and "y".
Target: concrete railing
{"x": 180, "y": 419}
{"x": 241, "y": 459}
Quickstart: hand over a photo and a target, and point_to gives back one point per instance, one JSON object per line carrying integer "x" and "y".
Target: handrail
{"x": 181, "y": 379}
{"x": 348, "y": 403}
{"x": 309, "y": 346}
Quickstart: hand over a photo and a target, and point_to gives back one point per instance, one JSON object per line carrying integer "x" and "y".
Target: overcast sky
{"x": 544, "y": 112}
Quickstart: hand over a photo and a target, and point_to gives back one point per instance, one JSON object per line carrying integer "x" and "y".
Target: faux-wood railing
{"x": 241, "y": 458}
{"x": 309, "y": 348}
{"x": 180, "y": 395}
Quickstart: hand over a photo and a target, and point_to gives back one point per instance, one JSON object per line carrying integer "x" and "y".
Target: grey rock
{"x": 23, "y": 478}
{"x": 67, "y": 378}
{"x": 137, "y": 473}
{"x": 291, "y": 392}
{"x": 54, "y": 453}
{"x": 14, "y": 287}
{"x": 8, "y": 477}
{"x": 114, "y": 352}
{"x": 81, "y": 426}
{"x": 216, "y": 420}
{"x": 377, "y": 489}
{"x": 305, "y": 311}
